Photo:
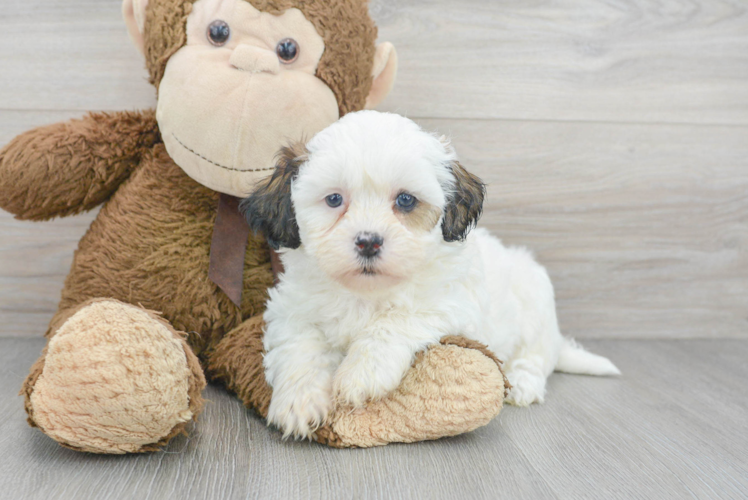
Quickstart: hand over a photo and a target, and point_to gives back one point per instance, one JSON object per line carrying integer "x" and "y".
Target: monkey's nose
{"x": 368, "y": 244}
{"x": 254, "y": 59}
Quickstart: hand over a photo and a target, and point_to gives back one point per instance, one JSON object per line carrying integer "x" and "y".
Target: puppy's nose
{"x": 368, "y": 244}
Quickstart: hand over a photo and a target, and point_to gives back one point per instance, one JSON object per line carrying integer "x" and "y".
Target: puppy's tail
{"x": 574, "y": 359}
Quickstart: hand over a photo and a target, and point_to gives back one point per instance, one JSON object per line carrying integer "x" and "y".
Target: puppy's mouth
{"x": 368, "y": 268}
{"x": 368, "y": 271}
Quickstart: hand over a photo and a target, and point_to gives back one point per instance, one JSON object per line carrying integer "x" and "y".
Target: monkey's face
{"x": 242, "y": 87}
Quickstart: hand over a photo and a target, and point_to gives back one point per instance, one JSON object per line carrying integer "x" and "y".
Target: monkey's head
{"x": 239, "y": 79}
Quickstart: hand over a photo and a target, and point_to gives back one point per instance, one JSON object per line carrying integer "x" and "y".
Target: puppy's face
{"x": 369, "y": 198}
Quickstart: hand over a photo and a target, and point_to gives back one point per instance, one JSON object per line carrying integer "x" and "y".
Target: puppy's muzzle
{"x": 368, "y": 244}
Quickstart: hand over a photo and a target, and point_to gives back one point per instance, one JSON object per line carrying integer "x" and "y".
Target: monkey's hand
{"x": 69, "y": 167}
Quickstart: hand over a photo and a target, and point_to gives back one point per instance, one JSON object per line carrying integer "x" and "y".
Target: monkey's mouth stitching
{"x": 217, "y": 164}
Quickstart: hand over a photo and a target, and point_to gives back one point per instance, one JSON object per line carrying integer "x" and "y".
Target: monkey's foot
{"x": 451, "y": 389}
{"x": 114, "y": 378}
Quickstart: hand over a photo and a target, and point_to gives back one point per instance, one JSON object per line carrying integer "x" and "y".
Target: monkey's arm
{"x": 69, "y": 167}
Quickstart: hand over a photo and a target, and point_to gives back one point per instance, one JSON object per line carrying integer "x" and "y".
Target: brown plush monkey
{"x": 141, "y": 323}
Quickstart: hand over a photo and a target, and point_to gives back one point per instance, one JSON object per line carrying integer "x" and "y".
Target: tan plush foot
{"x": 452, "y": 388}
{"x": 115, "y": 379}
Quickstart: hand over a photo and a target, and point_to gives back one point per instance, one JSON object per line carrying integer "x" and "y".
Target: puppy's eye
{"x": 287, "y": 50}
{"x": 334, "y": 200}
{"x": 406, "y": 202}
{"x": 218, "y": 32}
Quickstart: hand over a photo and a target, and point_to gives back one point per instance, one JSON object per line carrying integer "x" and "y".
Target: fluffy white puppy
{"x": 380, "y": 263}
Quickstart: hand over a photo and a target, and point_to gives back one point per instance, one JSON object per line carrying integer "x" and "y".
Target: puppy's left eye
{"x": 333, "y": 200}
{"x": 406, "y": 201}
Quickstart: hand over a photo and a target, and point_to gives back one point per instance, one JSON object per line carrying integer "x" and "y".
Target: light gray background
{"x": 614, "y": 137}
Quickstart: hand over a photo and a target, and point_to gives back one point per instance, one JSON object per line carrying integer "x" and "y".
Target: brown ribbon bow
{"x": 228, "y": 247}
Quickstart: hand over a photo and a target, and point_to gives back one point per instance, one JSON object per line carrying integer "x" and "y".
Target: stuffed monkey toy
{"x": 167, "y": 287}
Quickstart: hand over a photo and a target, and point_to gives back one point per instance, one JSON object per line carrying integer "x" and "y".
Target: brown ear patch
{"x": 464, "y": 204}
{"x": 423, "y": 217}
{"x": 269, "y": 209}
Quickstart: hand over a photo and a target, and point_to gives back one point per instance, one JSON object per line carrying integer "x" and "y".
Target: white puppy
{"x": 375, "y": 215}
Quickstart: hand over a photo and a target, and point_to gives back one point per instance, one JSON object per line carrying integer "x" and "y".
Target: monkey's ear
{"x": 464, "y": 204}
{"x": 269, "y": 209}
{"x": 134, "y": 13}
{"x": 384, "y": 72}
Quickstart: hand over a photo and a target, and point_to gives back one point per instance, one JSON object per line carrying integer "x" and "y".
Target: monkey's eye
{"x": 406, "y": 202}
{"x": 218, "y": 32}
{"x": 287, "y": 50}
{"x": 334, "y": 200}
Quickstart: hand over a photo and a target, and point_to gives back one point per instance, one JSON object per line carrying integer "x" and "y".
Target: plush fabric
{"x": 237, "y": 361}
{"x": 140, "y": 322}
{"x": 224, "y": 112}
{"x": 344, "y": 67}
{"x": 451, "y": 389}
{"x": 150, "y": 245}
{"x": 115, "y": 379}
{"x": 70, "y": 167}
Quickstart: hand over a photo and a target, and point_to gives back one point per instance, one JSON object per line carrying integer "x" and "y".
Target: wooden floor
{"x": 614, "y": 138}
{"x": 675, "y": 426}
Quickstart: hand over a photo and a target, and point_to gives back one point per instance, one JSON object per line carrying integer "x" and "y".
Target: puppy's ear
{"x": 269, "y": 209}
{"x": 464, "y": 204}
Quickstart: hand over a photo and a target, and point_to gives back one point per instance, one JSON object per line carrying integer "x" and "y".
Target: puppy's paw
{"x": 300, "y": 409}
{"x": 359, "y": 381}
{"x": 527, "y": 388}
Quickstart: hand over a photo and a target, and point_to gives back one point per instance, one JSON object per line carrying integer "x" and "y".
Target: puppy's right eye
{"x": 333, "y": 200}
{"x": 406, "y": 202}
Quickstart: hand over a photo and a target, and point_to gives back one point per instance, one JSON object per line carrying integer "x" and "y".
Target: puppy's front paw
{"x": 300, "y": 409}
{"x": 359, "y": 380}
{"x": 527, "y": 388}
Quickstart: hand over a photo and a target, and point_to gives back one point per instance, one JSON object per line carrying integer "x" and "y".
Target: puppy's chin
{"x": 368, "y": 279}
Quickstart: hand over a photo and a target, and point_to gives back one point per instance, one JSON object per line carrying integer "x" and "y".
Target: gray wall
{"x": 614, "y": 137}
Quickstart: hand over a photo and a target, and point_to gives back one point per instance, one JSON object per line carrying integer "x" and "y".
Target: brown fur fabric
{"x": 155, "y": 236}
{"x": 70, "y": 167}
{"x": 164, "y": 33}
{"x": 344, "y": 25}
{"x": 237, "y": 361}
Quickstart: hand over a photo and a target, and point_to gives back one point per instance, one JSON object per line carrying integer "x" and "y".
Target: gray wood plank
{"x": 642, "y": 227}
{"x": 69, "y": 55}
{"x": 674, "y": 426}
{"x": 625, "y": 60}
{"x": 658, "y": 423}
{"x": 620, "y": 60}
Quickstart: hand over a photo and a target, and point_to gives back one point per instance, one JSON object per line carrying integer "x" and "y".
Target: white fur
{"x": 333, "y": 332}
